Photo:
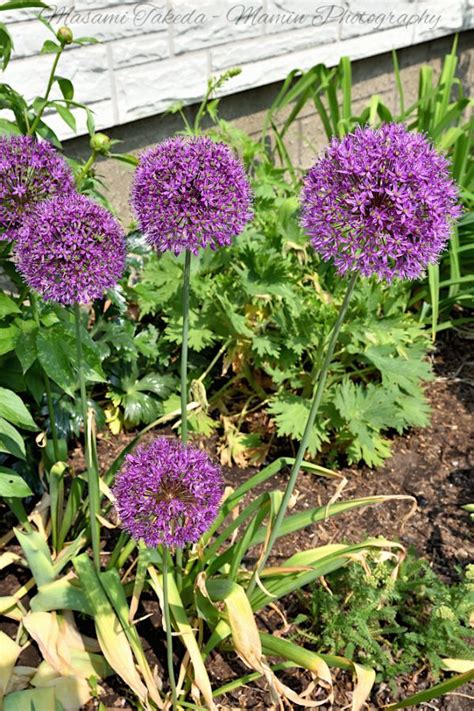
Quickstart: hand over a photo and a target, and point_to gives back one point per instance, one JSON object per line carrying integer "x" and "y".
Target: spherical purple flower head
{"x": 70, "y": 250}
{"x": 380, "y": 201}
{"x": 190, "y": 193}
{"x": 30, "y": 171}
{"x": 168, "y": 492}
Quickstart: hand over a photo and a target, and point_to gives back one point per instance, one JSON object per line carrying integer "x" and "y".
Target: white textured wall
{"x": 148, "y": 60}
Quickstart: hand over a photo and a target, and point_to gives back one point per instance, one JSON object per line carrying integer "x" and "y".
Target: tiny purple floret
{"x": 190, "y": 193}
{"x": 71, "y": 250}
{"x": 168, "y": 493}
{"x": 380, "y": 201}
{"x": 31, "y": 171}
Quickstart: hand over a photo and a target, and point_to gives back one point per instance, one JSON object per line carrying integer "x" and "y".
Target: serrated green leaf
{"x": 291, "y": 414}
{"x": 365, "y": 411}
{"x": 265, "y": 346}
{"x": 405, "y": 373}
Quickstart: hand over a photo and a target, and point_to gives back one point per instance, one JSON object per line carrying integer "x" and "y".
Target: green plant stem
{"x": 169, "y": 635}
{"x": 318, "y": 394}
{"x": 37, "y": 119}
{"x": 184, "y": 348}
{"x": 56, "y": 486}
{"x": 86, "y": 167}
{"x": 92, "y": 472}
{"x": 47, "y": 385}
{"x": 184, "y": 384}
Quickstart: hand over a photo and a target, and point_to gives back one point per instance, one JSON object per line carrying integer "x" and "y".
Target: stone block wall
{"x": 154, "y": 53}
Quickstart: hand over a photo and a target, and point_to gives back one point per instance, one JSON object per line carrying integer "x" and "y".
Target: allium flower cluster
{"x": 380, "y": 201}
{"x": 30, "y": 171}
{"x": 168, "y": 492}
{"x": 190, "y": 193}
{"x": 70, "y": 250}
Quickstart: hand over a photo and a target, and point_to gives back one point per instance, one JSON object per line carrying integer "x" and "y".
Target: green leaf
{"x": 32, "y": 700}
{"x": 22, "y": 4}
{"x": 8, "y": 128}
{"x": 11, "y": 440}
{"x": 50, "y": 47}
{"x": 435, "y": 692}
{"x": 8, "y": 337}
{"x": 60, "y": 594}
{"x": 127, "y": 158}
{"x": 26, "y": 350}
{"x": 265, "y": 346}
{"x": 54, "y": 356}
{"x": 8, "y": 306}
{"x": 6, "y": 45}
{"x": 161, "y": 385}
{"x": 365, "y": 411}
{"x": 86, "y": 40}
{"x": 90, "y": 122}
{"x": 13, "y": 409}
{"x": 139, "y": 407}
{"x": 38, "y": 556}
{"x": 66, "y": 115}
{"x": 12, "y": 484}
{"x": 403, "y": 372}
{"x": 110, "y": 633}
{"x": 66, "y": 86}
{"x": 291, "y": 414}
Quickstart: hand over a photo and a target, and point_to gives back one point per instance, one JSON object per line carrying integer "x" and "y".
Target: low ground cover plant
{"x": 316, "y": 338}
{"x": 393, "y": 616}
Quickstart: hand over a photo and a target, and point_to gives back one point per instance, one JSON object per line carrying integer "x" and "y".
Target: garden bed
{"x": 433, "y": 465}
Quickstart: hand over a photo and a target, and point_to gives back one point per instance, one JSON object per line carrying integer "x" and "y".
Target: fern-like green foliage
{"x": 395, "y": 622}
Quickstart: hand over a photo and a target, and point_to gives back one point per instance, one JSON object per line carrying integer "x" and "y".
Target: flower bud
{"x": 64, "y": 35}
{"x": 100, "y": 142}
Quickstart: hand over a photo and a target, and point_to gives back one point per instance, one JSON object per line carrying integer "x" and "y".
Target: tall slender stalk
{"x": 184, "y": 348}
{"x": 56, "y": 485}
{"x": 169, "y": 635}
{"x": 47, "y": 386}
{"x": 92, "y": 471}
{"x": 86, "y": 167}
{"x": 37, "y": 119}
{"x": 184, "y": 383}
{"x": 317, "y": 397}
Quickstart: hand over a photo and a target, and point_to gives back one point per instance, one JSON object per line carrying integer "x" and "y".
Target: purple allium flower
{"x": 190, "y": 193}
{"x": 168, "y": 492}
{"x": 70, "y": 250}
{"x": 30, "y": 171}
{"x": 380, "y": 201}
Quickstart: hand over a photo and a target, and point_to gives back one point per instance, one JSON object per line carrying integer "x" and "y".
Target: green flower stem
{"x": 92, "y": 471}
{"x": 318, "y": 394}
{"x": 184, "y": 384}
{"x": 47, "y": 386}
{"x": 169, "y": 636}
{"x": 184, "y": 348}
{"x": 34, "y": 125}
{"x": 86, "y": 167}
{"x": 56, "y": 485}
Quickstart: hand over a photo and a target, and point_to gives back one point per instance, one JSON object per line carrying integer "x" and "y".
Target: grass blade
{"x": 435, "y": 692}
